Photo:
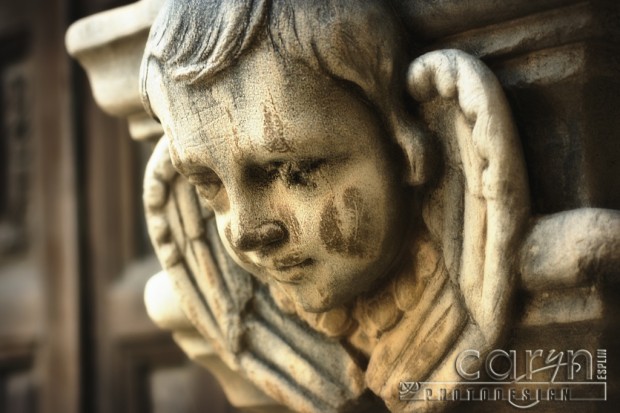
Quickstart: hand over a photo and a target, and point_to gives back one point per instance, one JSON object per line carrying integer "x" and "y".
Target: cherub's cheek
{"x": 346, "y": 227}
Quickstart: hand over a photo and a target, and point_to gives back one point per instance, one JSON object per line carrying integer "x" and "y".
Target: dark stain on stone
{"x": 228, "y": 234}
{"x": 291, "y": 223}
{"x": 234, "y": 129}
{"x": 355, "y": 215}
{"x": 273, "y": 129}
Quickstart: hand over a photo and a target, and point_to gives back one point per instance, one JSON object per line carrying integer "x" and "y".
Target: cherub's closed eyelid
{"x": 208, "y": 184}
{"x": 304, "y": 164}
{"x": 310, "y": 165}
{"x": 204, "y": 176}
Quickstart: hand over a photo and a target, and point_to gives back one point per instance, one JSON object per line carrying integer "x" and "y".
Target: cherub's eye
{"x": 301, "y": 173}
{"x": 261, "y": 175}
{"x": 208, "y": 184}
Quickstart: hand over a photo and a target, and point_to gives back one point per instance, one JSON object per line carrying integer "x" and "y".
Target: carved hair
{"x": 360, "y": 43}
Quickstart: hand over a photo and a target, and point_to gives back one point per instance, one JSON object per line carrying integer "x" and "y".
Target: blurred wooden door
{"x": 40, "y": 348}
{"x": 74, "y": 256}
{"x": 21, "y": 311}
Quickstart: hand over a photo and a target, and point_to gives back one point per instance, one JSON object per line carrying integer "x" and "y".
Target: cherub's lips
{"x": 290, "y": 262}
{"x": 290, "y": 269}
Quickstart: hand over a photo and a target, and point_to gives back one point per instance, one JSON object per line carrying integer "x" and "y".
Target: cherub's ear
{"x": 420, "y": 153}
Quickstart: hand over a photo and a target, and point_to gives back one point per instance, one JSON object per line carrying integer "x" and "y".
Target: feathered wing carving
{"x": 485, "y": 158}
{"x": 233, "y": 311}
{"x": 476, "y": 214}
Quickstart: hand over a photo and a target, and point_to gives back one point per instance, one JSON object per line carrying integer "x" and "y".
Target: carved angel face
{"x": 303, "y": 182}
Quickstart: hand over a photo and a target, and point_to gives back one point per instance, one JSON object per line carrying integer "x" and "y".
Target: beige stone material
{"x": 335, "y": 215}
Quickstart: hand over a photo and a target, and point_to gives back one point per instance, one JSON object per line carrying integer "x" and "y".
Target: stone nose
{"x": 258, "y": 237}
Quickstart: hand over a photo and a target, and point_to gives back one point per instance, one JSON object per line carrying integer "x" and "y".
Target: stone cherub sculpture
{"x": 328, "y": 235}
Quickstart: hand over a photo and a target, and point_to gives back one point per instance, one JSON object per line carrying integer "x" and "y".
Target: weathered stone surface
{"x": 351, "y": 216}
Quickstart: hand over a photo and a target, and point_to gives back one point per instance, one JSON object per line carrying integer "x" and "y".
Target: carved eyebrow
{"x": 185, "y": 167}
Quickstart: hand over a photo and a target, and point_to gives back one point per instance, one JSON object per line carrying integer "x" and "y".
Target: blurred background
{"x": 74, "y": 254}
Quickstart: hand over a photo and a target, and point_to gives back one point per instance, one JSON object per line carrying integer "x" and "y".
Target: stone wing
{"x": 476, "y": 211}
{"x": 478, "y": 208}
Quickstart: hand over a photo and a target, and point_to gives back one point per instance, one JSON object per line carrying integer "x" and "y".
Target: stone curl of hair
{"x": 360, "y": 43}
